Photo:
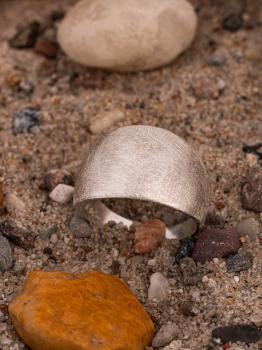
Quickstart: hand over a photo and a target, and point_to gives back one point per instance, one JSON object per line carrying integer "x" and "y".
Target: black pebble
{"x": 185, "y": 248}
{"x": 242, "y": 333}
{"x": 232, "y": 23}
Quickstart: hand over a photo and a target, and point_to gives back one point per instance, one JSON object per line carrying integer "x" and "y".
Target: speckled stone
{"x": 215, "y": 243}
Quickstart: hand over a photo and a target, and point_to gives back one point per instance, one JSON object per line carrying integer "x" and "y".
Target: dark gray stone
{"x": 5, "y": 254}
{"x": 239, "y": 262}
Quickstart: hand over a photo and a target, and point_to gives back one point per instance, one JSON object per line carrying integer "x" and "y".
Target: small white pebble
{"x": 236, "y": 279}
{"x": 66, "y": 240}
{"x": 53, "y": 238}
{"x": 62, "y": 193}
{"x": 205, "y": 279}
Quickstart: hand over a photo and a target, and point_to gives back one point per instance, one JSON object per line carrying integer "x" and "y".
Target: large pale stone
{"x": 127, "y": 35}
{"x": 91, "y": 311}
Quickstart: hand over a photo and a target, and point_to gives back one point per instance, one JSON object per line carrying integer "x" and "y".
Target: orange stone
{"x": 90, "y": 311}
{"x": 149, "y": 235}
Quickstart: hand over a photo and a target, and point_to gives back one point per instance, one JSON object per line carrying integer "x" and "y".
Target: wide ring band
{"x": 146, "y": 163}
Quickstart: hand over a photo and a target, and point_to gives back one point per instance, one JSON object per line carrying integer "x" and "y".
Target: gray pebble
{"x": 239, "y": 262}
{"x": 189, "y": 271}
{"x": 165, "y": 335}
{"x": 46, "y": 234}
{"x": 79, "y": 227}
{"x": 249, "y": 227}
{"x": 5, "y": 254}
{"x": 25, "y": 120}
{"x": 159, "y": 287}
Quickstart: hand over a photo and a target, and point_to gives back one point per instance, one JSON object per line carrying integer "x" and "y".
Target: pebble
{"x": 189, "y": 271}
{"x": 1, "y": 195}
{"x": 25, "y": 120}
{"x": 241, "y": 261}
{"x": 53, "y": 238}
{"x": 175, "y": 345}
{"x": 142, "y": 34}
{"x": 46, "y": 234}
{"x": 185, "y": 248}
{"x": 238, "y": 333}
{"x": 216, "y": 61}
{"x": 159, "y": 287}
{"x": 14, "y": 205}
{"x": 46, "y": 48}
{"x": 232, "y": 22}
{"x": 255, "y": 149}
{"x": 79, "y": 227}
{"x": 99, "y": 308}
{"x": 17, "y": 235}
{"x": 5, "y": 254}
{"x": 165, "y": 335}
{"x": 62, "y": 193}
{"x": 249, "y": 227}
{"x": 20, "y": 264}
{"x": 149, "y": 235}
{"x": 103, "y": 122}
{"x": 215, "y": 243}
{"x": 55, "y": 177}
{"x": 25, "y": 37}
{"x": 184, "y": 229}
{"x": 251, "y": 192}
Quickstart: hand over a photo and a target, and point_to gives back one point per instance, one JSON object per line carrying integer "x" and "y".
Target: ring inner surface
{"x": 128, "y": 211}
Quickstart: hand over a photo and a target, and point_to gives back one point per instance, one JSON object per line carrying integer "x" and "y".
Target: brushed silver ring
{"x": 146, "y": 163}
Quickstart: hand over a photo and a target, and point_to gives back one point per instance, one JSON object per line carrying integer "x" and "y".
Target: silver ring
{"x": 145, "y": 163}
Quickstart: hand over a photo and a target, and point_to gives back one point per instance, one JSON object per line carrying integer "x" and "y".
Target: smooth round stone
{"x": 127, "y": 35}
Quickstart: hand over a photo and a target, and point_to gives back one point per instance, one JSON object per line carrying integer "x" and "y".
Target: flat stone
{"x": 159, "y": 287}
{"x": 249, "y": 227}
{"x": 149, "y": 235}
{"x": 165, "y": 335}
{"x": 241, "y": 261}
{"x": 127, "y": 36}
{"x": 5, "y": 254}
{"x": 62, "y": 193}
{"x": 102, "y": 122}
{"x": 215, "y": 243}
{"x": 251, "y": 192}
{"x": 55, "y": 177}
{"x": 79, "y": 227}
{"x": 57, "y": 310}
{"x": 238, "y": 333}
{"x": 189, "y": 271}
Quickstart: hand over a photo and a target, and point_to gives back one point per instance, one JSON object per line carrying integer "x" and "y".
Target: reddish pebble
{"x": 215, "y": 243}
{"x": 220, "y": 205}
{"x": 48, "y": 49}
{"x": 149, "y": 235}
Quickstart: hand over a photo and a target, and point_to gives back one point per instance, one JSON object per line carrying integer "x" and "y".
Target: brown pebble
{"x": 220, "y": 205}
{"x": 46, "y": 48}
{"x": 149, "y": 235}
{"x": 251, "y": 192}
{"x": 25, "y": 37}
{"x": 215, "y": 243}
{"x": 17, "y": 235}
{"x": 55, "y": 177}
